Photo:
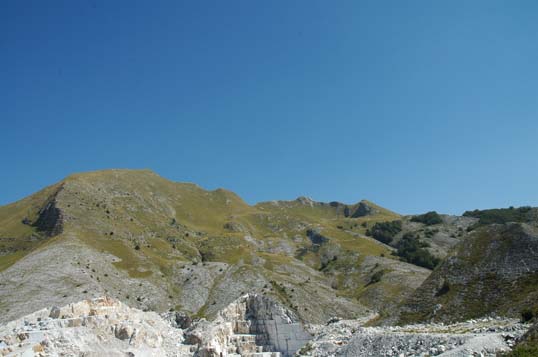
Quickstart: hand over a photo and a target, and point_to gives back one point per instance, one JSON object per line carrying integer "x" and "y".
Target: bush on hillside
{"x": 428, "y": 218}
{"x": 429, "y": 233}
{"x": 376, "y": 277}
{"x": 413, "y": 251}
{"x": 385, "y": 231}
{"x": 528, "y": 314}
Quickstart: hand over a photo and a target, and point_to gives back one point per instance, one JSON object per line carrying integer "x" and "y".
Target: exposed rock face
{"x": 253, "y": 323}
{"x": 316, "y": 237}
{"x": 494, "y": 270}
{"x": 363, "y": 209}
{"x": 96, "y": 327}
{"x": 50, "y": 218}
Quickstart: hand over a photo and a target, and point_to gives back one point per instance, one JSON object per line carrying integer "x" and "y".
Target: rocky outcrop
{"x": 50, "y": 217}
{"x": 316, "y": 237}
{"x": 97, "y": 327}
{"x": 363, "y": 209}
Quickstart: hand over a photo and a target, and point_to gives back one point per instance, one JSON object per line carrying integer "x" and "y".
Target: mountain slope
{"x": 494, "y": 270}
{"x": 162, "y": 245}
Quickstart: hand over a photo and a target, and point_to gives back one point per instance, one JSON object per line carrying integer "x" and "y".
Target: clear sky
{"x": 415, "y": 105}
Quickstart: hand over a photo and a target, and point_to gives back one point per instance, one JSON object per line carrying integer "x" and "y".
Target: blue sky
{"x": 416, "y": 105}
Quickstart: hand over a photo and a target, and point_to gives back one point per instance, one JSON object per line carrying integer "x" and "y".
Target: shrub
{"x": 376, "y": 277}
{"x": 413, "y": 251}
{"x": 429, "y": 218}
{"x": 444, "y": 289}
{"x": 429, "y": 233}
{"x": 527, "y": 315}
{"x": 385, "y": 231}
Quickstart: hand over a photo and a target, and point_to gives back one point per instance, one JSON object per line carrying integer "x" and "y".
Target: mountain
{"x": 272, "y": 278}
{"x": 162, "y": 245}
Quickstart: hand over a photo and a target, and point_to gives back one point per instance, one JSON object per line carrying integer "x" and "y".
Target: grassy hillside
{"x": 19, "y": 233}
{"x": 155, "y": 228}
